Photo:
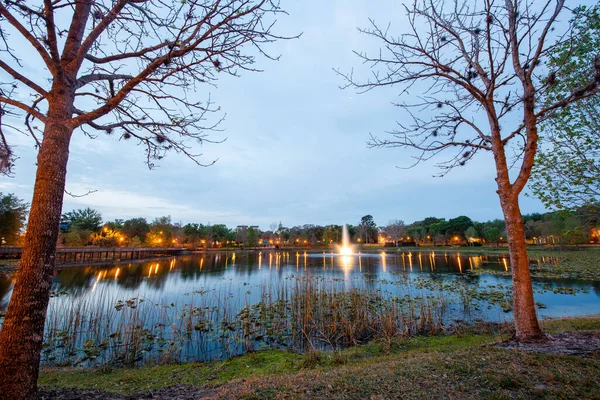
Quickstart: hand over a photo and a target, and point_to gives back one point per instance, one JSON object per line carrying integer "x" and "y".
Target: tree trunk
{"x": 23, "y": 329}
{"x": 526, "y": 323}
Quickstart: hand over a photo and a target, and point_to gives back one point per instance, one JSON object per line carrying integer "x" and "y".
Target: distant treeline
{"x": 85, "y": 227}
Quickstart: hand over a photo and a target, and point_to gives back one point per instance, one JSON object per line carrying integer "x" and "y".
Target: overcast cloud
{"x": 295, "y": 150}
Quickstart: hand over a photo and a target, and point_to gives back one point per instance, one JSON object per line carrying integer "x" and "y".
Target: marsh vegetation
{"x": 214, "y": 306}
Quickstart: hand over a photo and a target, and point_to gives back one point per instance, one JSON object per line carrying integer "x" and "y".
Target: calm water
{"x": 470, "y": 286}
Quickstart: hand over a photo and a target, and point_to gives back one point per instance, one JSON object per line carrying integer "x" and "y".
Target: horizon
{"x": 268, "y": 229}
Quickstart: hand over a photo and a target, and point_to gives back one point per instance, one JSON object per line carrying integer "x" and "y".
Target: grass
{"x": 582, "y": 263}
{"x": 584, "y": 323}
{"x": 129, "y": 380}
{"x": 461, "y": 366}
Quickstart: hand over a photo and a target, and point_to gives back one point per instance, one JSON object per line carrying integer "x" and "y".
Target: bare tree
{"x": 127, "y": 68}
{"x": 396, "y": 229}
{"x": 472, "y": 74}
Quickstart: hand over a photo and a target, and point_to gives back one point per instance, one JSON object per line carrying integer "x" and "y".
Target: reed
{"x": 302, "y": 313}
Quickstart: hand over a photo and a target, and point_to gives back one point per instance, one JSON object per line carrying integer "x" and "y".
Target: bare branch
{"x": 80, "y": 195}
{"x": 7, "y": 156}
{"x": 23, "y": 79}
{"x": 27, "y": 35}
{"x": 23, "y": 107}
{"x": 134, "y": 67}
{"x": 457, "y": 54}
{"x": 84, "y": 80}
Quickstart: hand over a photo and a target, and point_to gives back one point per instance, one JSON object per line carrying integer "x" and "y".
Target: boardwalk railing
{"x": 99, "y": 254}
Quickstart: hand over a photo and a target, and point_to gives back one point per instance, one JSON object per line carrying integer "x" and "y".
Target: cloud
{"x": 296, "y": 145}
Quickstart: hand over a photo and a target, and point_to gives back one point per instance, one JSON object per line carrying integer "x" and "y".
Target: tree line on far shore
{"x": 85, "y": 227}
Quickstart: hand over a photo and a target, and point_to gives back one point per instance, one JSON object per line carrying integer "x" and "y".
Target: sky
{"x": 295, "y": 149}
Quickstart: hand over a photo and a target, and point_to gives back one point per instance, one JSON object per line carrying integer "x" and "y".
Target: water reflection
{"x": 218, "y": 304}
{"x": 168, "y": 278}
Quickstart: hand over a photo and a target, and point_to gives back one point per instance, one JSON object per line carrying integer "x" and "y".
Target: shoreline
{"x": 468, "y": 363}
{"x": 11, "y": 265}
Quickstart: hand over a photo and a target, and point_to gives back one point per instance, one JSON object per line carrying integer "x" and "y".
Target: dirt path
{"x": 574, "y": 343}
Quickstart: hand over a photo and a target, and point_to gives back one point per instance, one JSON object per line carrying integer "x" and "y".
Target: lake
{"x": 213, "y": 305}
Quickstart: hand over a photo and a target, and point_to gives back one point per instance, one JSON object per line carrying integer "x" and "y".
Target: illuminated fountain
{"x": 346, "y": 249}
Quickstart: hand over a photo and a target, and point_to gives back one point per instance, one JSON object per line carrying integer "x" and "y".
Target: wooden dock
{"x": 99, "y": 254}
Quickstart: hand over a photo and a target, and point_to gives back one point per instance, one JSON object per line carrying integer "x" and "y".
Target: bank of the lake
{"x": 569, "y": 262}
{"x": 211, "y": 306}
{"x": 461, "y": 364}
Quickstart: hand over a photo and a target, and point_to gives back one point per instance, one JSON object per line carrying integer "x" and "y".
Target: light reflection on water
{"x": 168, "y": 279}
{"x": 232, "y": 281}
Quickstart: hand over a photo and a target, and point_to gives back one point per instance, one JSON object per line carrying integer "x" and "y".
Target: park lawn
{"x": 458, "y": 366}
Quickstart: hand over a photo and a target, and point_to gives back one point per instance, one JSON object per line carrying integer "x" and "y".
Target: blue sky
{"x": 295, "y": 150}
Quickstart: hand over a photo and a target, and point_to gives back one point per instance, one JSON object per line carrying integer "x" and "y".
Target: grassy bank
{"x": 298, "y": 313}
{"x": 533, "y": 251}
{"x": 572, "y": 262}
{"x": 460, "y": 365}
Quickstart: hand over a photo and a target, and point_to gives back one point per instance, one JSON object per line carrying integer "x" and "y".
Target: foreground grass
{"x": 462, "y": 365}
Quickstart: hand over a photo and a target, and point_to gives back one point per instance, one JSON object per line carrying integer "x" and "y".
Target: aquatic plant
{"x": 303, "y": 313}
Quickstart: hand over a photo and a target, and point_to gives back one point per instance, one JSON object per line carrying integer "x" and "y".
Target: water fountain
{"x": 346, "y": 249}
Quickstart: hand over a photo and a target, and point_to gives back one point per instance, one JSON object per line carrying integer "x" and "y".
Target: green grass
{"x": 461, "y": 365}
{"x": 582, "y": 263}
{"x": 551, "y": 326}
{"x": 128, "y": 380}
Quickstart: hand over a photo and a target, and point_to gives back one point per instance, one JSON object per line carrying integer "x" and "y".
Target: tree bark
{"x": 22, "y": 333}
{"x": 527, "y": 328}
{"x": 526, "y": 323}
